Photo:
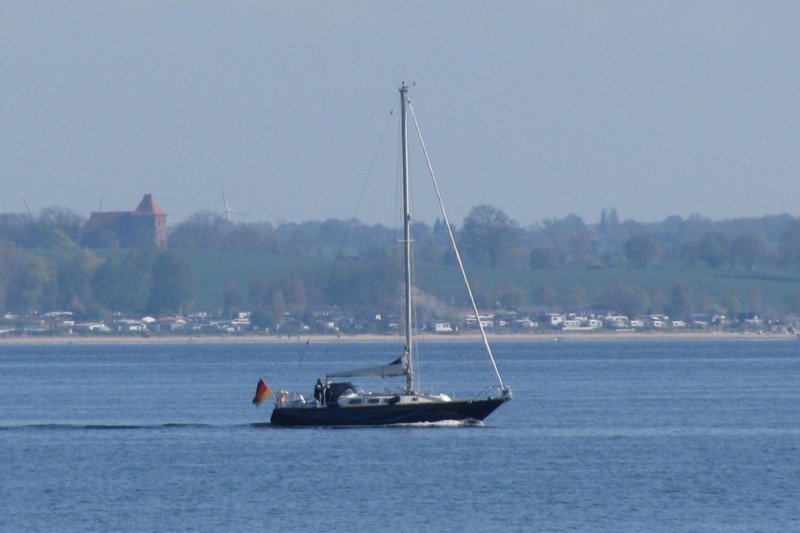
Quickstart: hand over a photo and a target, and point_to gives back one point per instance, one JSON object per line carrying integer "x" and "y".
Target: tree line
{"x": 43, "y": 265}
{"x": 146, "y": 281}
{"x": 488, "y": 237}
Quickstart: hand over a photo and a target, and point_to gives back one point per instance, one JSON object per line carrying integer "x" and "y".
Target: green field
{"x": 215, "y": 269}
{"x": 773, "y": 286}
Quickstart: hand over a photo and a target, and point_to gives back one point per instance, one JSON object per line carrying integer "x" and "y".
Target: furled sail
{"x": 398, "y": 367}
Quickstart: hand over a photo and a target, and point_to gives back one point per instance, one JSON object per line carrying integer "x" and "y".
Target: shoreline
{"x": 376, "y": 338}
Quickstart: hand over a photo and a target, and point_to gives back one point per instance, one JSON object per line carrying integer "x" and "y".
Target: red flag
{"x": 262, "y": 392}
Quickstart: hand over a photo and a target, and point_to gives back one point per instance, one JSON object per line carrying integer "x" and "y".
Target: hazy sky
{"x": 539, "y": 108}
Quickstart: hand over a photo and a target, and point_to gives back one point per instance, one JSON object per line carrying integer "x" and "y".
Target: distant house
{"x": 638, "y": 323}
{"x": 616, "y": 321}
{"x": 442, "y": 327}
{"x": 486, "y": 318}
{"x": 146, "y": 226}
{"x": 553, "y": 320}
{"x": 169, "y": 323}
{"x": 525, "y": 323}
{"x": 576, "y": 324}
{"x": 657, "y": 321}
{"x": 129, "y": 325}
{"x": 91, "y": 327}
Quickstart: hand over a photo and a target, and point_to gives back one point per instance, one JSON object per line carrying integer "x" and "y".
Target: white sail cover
{"x": 398, "y": 367}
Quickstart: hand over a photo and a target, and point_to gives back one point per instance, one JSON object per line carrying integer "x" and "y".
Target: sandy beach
{"x": 367, "y": 338}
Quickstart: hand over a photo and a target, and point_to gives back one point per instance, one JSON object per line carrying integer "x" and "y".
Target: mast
{"x": 406, "y": 237}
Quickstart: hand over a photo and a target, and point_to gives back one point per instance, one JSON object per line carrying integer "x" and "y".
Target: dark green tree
{"x": 64, "y": 220}
{"x": 201, "y": 230}
{"x": 755, "y": 299}
{"x": 642, "y": 250}
{"x": 334, "y": 232}
{"x": 732, "y": 305}
{"x": 361, "y": 285}
{"x": 47, "y": 236}
{"x": 658, "y": 301}
{"x": 74, "y": 271}
{"x": 511, "y": 297}
{"x": 680, "y": 301}
{"x": 542, "y": 257}
{"x": 789, "y": 245}
{"x": 791, "y": 302}
{"x": 582, "y": 249}
{"x": 145, "y": 258}
{"x": 488, "y": 235}
{"x": 561, "y": 235}
{"x": 9, "y": 261}
{"x": 609, "y": 222}
{"x": 545, "y": 295}
{"x": 295, "y": 292}
{"x": 120, "y": 285}
{"x": 29, "y": 289}
{"x": 260, "y": 291}
{"x": 579, "y": 298}
{"x": 262, "y": 319}
{"x": 706, "y": 303}
{"x": 231, "y": 297}
{"x": 624, "y": 299}
{"x": 172, "y": 283}
{"x": 713, "y": 249}
{"x": 747, "y": 250}
{"x": 278, "y": 305}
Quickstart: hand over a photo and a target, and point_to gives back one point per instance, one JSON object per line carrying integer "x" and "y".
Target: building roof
{"x": 98, "y": 220}
{"x": 148, "y": 206}
{"x": 143, "y": 227}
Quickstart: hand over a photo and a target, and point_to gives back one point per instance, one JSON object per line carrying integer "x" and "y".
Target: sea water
{"x": 600, "y": 436}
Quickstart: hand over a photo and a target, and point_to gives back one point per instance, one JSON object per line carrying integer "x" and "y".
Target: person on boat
{"x": 319, "y": 391}
{"x": 327, "y": 393}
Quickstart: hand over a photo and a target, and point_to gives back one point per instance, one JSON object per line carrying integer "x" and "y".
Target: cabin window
{"x": 354, "y": 402}
{"x": 415, "y": 399}
{"x": 375, "y": 400}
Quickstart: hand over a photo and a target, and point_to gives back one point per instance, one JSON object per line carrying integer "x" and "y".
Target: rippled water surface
{"x": 600, "y": 436}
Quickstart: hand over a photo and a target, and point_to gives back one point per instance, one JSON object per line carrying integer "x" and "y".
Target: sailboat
{"x": 341, "y": 403}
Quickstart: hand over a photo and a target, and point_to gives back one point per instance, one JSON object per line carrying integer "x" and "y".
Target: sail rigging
{"x": 337, "y": 403}
{"x": 457, "y": 254}
{"x": 404, "y": 365}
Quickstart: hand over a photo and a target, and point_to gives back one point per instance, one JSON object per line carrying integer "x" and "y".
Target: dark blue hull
{"x": 385, "y": 415}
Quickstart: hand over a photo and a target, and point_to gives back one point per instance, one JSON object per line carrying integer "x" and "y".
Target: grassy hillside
{"x": 215, "y": 268}
{"x": 773, "y": 286}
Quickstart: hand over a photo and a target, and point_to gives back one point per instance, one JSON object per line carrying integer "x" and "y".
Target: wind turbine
{"x": 228, "y": 210}
{"x": 30, "y": 213}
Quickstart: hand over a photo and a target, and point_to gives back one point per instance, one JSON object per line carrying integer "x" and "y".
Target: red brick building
{"x": 146, "y": 226}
